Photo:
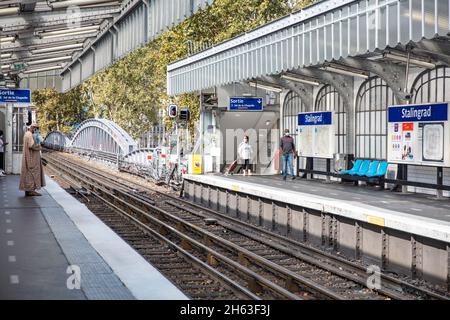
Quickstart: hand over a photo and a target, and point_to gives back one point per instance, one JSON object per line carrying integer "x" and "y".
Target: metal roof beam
{"x": 34, "y": 42}
{"x": 393, "y": 74}
{"x": 305, "y": 91}
{"x": 30, "y": 57}
{"x": 343, "y": 84}
{"x": 39, "y": 19}
{"x": 41, "y": 45}
{"x": 438, "y": 49}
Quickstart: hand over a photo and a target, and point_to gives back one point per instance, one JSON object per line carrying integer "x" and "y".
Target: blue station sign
{"x": 315, "y": 119}
{"x": 246, "y": 104}
{"x": 15, "y": 95}
{"x": 416, "y": 113}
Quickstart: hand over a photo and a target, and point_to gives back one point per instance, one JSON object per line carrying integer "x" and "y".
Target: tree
{"x": 55, "y": 110}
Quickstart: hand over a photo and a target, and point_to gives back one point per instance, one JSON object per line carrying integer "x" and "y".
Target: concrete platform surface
{"x": 48, "y": 243}
{"x": 415, "y": 213}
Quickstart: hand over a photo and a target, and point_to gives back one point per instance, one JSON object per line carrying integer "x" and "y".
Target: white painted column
{"x": 8, "y": 138}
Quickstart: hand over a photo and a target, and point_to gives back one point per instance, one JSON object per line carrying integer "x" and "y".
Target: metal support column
{"x": 440, "y": 182}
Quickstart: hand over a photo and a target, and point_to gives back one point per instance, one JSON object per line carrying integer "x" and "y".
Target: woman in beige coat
{"x": 32, "y": 176}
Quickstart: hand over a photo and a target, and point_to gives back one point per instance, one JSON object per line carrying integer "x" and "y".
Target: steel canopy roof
{"x": 331, "y": 30}
{"x": 30, "y": 25}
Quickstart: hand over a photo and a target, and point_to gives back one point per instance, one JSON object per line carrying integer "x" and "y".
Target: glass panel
{"x": 373, "y": 98}
{"x": 18, "y": 128}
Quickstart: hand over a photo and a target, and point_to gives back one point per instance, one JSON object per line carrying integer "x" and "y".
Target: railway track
{"x": 265, "y": 264}
{"x": 174, "y": 262}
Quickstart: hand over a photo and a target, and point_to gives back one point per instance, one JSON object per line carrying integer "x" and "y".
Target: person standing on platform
{"x": 32, "y": 175}
{"x": 245, "y": 152}
{"x": 287, "y": 147}
{"x": 2, "y": 154}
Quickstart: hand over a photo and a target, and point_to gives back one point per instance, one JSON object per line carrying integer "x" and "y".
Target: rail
{"x": 293, "y": 249}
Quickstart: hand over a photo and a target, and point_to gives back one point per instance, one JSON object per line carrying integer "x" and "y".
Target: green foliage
{"x": 56, "y": 109}
{"x": 133, "y": 90}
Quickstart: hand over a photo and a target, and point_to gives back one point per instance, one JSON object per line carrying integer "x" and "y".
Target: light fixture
{"x": 7, "y": 39}
{"x": 103, "y": 4}
{"x": 75, "y": 46}
{"x": 10, "y": 85}
{"x": 265, "y": 87}
{"x": 67, "y": 34}
{"x": 43, "y": 69}
{"x": 5, "y": 67}
{"x": 403, "y": 58}
{"x": 50, "y": 60}
{"x": 301, "y": 80}
{"x": 5, "y": 55}
{"x": 69, "y": 3}
{"x": 247, "y": 94}
{"x": 9, "y": 11}
{"x": 72, "y": 30}
{"x": 345, "y": 72}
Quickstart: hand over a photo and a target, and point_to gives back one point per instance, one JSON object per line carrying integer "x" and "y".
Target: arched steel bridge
{"x": 104, "y": 138}
{"x": 57, "y": 140}
{"x": 102, "y": 135}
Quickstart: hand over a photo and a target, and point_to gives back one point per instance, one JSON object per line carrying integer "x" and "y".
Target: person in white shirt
{"x": 245, "y": 152}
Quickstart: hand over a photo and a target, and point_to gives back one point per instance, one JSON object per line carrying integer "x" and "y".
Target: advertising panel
{"x": 316, "y": 135}
{"x": 419, "y": 134}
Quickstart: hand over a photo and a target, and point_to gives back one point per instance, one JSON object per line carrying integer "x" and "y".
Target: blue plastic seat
{"x": 372, "y": 169}
{"x": 381, "y": 171}
{"x": 353, "y": 170}
{"x": 364, "y": 168}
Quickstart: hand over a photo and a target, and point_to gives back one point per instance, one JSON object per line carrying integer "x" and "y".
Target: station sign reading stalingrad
{"x": 431, "y": 112}
{"x": 245, "y": 104}
{"x": 315, "y": 118}
{"x": 15, "y": 95}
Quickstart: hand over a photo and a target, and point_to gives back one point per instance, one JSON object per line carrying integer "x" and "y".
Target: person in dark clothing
{"x": 287, "y": 147}
{"x": 2, "y": 153}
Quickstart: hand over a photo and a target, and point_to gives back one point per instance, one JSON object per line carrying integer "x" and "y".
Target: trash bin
{"x": 340, "y": 162}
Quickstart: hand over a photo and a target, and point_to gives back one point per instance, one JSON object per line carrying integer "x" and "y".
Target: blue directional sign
{"x": 315, "y": 119}
{"x": 15, "y": 95}
{"x": 246, "y": 104}
{"x": 415, "y": 113}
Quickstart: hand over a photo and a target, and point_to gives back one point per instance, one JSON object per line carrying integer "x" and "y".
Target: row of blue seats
{"x": 367, "y": 168}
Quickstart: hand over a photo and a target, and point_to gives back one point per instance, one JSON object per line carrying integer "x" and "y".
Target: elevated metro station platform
{"x": 401, "y": 232}
{"x": 47, "y": 242}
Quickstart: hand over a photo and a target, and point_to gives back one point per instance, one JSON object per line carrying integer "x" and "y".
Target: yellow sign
{"x": 376, "y": 220}
{"x": 196, "y": 164}
{"x": 235, "y": 188}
